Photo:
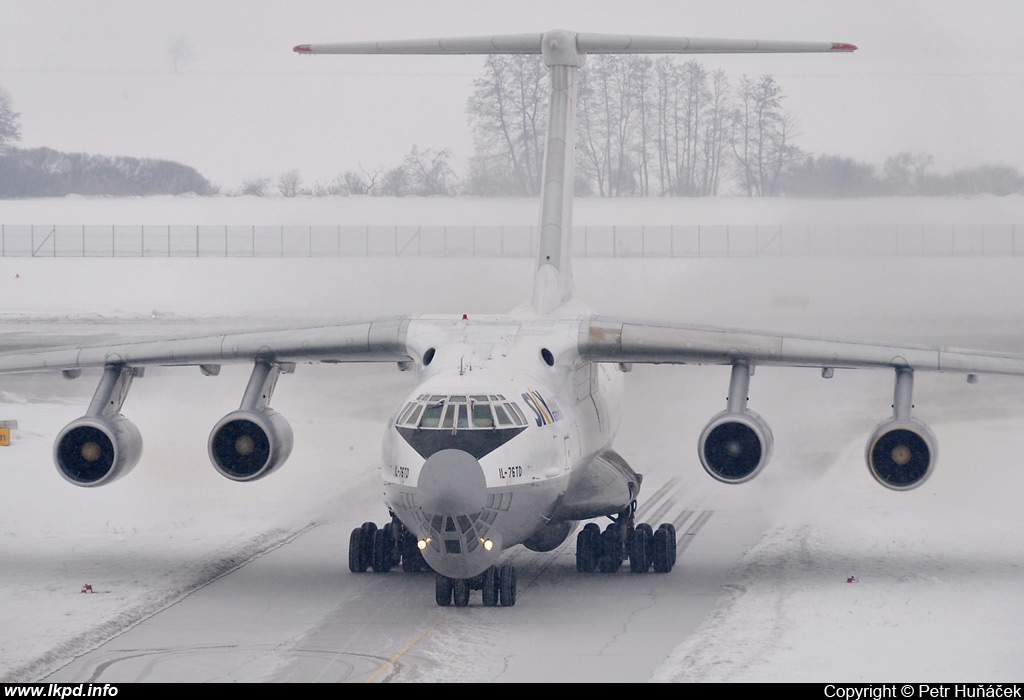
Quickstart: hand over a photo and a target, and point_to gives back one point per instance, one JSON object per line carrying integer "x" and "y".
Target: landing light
{"x": 488, "y": 545}
{"x": 422, "y": 544}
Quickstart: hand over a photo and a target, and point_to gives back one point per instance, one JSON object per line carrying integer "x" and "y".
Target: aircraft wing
{"x": 608, "y": 339}
{"x": 379, "y": 340}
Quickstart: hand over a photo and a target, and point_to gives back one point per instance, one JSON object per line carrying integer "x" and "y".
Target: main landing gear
{"x": 644, "y": 546}
{"x": 383, "y": 548}
{"x": 497, "y": 584}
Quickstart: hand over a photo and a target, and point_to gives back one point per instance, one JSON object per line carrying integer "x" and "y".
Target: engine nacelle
{"x": 735, "y": 446}
{"x": 901, "y": 453}
{"x": 249, "y": 444}
{"x": 93, "y": 451}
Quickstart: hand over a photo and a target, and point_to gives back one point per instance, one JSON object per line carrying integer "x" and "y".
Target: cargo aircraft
{"x": 508, "y": 436}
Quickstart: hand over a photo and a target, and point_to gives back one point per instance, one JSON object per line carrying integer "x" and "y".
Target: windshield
{"x": 461, "y": 412}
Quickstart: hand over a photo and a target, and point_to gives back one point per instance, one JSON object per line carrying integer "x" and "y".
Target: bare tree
{"x": 257, "y": 186}
{"x": 609, "y": 121}
{"x": 905, "y": 171}
{"x": 691, "y": 109}
{"x": 288, "y": 184}
{"x": 362, "y": 182}
{"x": 396, "y": 182}
{"x": 429, "y": 172}
{"x": 714, "y": 135}
{"x": 762, "y": 136}
{"x": 666, "y": 96}
{"x": 508, "y": 114}
{"x": 10, "y": 127}
{"x": 181, "y": 51}
{"x": 644, "y": 87}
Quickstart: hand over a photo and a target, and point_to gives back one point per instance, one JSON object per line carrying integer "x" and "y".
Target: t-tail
{"x": 563, "y": 53}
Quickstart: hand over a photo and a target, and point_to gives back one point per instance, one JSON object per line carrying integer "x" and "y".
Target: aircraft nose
{"x": 452, "y": 482}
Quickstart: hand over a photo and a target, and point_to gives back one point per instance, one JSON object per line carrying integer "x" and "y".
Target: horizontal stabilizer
{"x": 585, "y": 43}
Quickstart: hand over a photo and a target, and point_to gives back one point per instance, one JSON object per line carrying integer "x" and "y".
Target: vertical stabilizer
{"x": 552, "y": 284}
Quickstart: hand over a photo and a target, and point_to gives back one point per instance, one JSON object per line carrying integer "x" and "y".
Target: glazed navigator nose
{"x": 452, "y": 482}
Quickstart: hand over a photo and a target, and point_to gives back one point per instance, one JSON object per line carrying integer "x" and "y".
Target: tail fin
{"x": 562, "y": 51}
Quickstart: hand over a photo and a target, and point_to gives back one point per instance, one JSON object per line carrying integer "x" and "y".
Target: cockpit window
{"x": 502, "y": 415}
{"x": 482, "y": 417}
{"x": 518, "y": 415}
{"x": 431, "y": 415}
{"x": 405, "y": 412}
{"x": 415, "y": 415}
{"x": 462, "y": 412}
{"x": 449, "y": 417}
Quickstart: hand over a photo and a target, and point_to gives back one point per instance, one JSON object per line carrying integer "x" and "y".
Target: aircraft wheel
{"x": 369, "y": 530}
{"x": 491, "y": 592}
{"x": 611, "y": 550}
{"x": 507, "y": 585}
{"x": 443, "y": 589}
{"x": 588, "y": 548}
{"x": 381, "y": 560}
{"x": 412, "y": 557}
{"x": 641, "y": 549}
{"x": 664, "y": 550}
{"x": 460, "y": 592}
{"x": 671, "y": 540}
{"x": 356, "y": 564}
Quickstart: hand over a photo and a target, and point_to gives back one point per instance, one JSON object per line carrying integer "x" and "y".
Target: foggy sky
{"x": 936, "y": 76}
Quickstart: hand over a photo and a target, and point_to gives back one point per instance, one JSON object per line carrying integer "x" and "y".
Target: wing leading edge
{"x": 607, "y": 339}
{"x": 380, "y": 340}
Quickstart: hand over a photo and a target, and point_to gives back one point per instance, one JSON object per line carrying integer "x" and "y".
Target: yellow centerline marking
{"x": 391, "y": 662}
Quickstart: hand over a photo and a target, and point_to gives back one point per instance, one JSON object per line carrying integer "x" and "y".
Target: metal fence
{"x": 508, "y": 241}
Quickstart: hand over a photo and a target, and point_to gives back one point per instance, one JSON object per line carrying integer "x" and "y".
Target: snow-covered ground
{"x": 938, "y": 590}
{"x": 509, "y": 211}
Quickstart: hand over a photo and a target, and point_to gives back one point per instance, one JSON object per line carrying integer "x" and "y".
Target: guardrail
{"x": 507, "y": 241}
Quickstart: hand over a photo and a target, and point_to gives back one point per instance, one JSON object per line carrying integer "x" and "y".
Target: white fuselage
{"x": 503, "y": 421}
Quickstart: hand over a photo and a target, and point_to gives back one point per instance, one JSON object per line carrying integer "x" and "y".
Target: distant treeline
{"x": 44, "y": 172}
{"x": 904, "y": 174}
{"x": 646, "y": 127}
{"x": 827, "y": 176}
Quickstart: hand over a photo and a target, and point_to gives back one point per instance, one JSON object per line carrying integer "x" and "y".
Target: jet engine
{"x": 103, "y": 445}
{"x": 253, "y": 441}
{"x": 249, "y": 444}
{"x": 96, "y": 450}
{"x": 735, "y": 446}
{"x": 901, "y": 453}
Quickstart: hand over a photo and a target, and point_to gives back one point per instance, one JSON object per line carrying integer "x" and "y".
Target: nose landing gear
{"x": 498, "y": 586}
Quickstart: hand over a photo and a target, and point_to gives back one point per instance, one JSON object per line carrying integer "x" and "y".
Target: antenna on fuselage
{"x": 563, "y": 52}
